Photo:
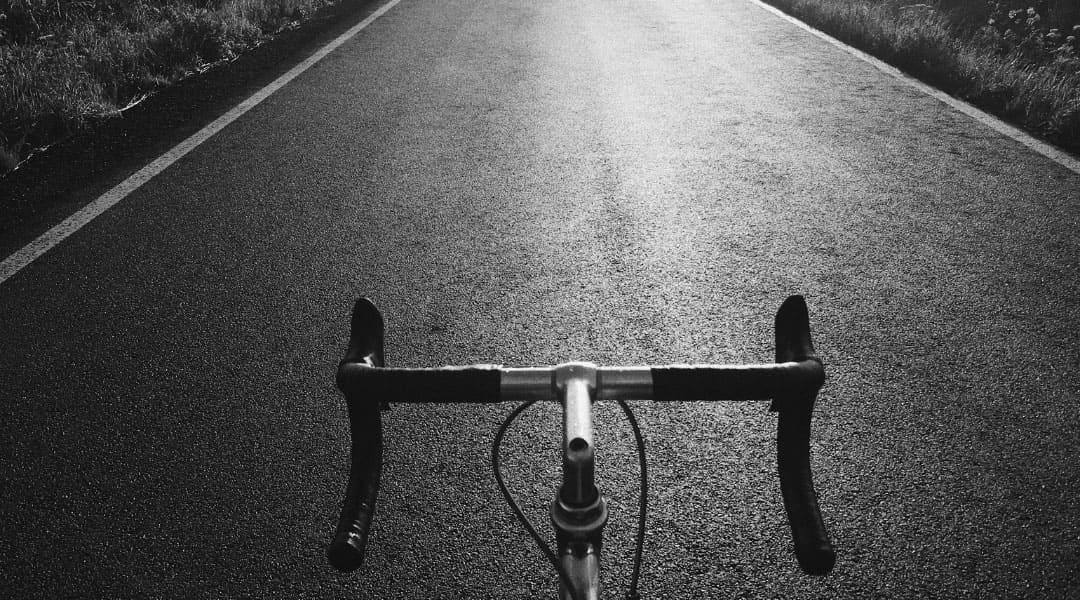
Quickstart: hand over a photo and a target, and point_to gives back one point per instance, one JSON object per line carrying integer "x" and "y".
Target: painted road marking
{"x": 1060, "y": 157}
{"x": 48, "y": 240}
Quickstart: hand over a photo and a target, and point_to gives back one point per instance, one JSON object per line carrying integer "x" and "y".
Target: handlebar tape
{"x": 346, "y": 551}
{"x": 750, "y": 382}
{"x": 813, "y": 549}
{"x": 361, "y": 373}
{"x": 476, "y": 383}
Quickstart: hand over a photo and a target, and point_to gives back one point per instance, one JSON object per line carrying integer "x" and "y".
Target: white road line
{"x": 48, "y": 240}
{"x": 1062, "y": 158}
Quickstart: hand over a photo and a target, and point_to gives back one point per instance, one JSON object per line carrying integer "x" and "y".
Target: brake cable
{"x": 514, "y": 506}
{"x": 643, "y": 502}
{"x": 639, "y": 545}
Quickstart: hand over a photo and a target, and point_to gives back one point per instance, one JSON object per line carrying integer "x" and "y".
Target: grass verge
{"x": 65, "y": 64}
{"x": 1018, "y": 59}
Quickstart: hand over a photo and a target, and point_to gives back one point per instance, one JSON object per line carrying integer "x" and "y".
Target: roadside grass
{"x": 65, "y": 64}
{"x": 1019, "y": 59}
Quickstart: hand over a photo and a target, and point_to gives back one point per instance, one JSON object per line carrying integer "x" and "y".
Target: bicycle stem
{"x": 578, "y": 512}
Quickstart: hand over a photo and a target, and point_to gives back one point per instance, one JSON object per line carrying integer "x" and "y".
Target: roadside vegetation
{"x": 1019, "y": 59}
{"x": 67, "y": 63}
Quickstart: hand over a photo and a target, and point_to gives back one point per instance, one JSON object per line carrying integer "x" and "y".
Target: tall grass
{"x": 1019, "y": 59}
{"x": 66, "y": 63}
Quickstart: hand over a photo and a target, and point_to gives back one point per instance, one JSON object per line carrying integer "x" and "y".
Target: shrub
{"x": 1026, "y": 32}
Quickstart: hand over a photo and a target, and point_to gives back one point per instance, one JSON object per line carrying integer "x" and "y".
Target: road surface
{"x": 528, "y": 183}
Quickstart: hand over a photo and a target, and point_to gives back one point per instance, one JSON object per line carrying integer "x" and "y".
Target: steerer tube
{"x": 579, "y": 486}
{"x": 578, "y": 512}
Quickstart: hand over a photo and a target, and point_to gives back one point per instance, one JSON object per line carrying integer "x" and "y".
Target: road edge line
{"x": 22, "y": 257}
{"x": 1049, "y": 151}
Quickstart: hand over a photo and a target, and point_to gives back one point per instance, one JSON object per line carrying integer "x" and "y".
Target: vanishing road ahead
{"x": 530, "y": 182}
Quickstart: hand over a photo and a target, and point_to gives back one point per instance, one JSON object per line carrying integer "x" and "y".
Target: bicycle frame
{"x": 579, "y": 512}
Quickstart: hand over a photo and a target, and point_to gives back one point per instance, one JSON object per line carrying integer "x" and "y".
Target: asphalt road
{"x": 527, "y": 183}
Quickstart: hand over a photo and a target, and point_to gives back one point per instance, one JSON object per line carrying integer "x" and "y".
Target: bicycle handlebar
{"x": 488, "y": 384}
{"x": 346, "y": 551}
{"x": 792, "y": 383}
{"x": 813, "y": 549}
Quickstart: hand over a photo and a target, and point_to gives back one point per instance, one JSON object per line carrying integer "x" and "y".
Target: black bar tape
{"x": 346, "y": 551}
{"x": 735, "y": 383}
{"x": 472, "y": 384}
{"x": 813, "y": 549}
